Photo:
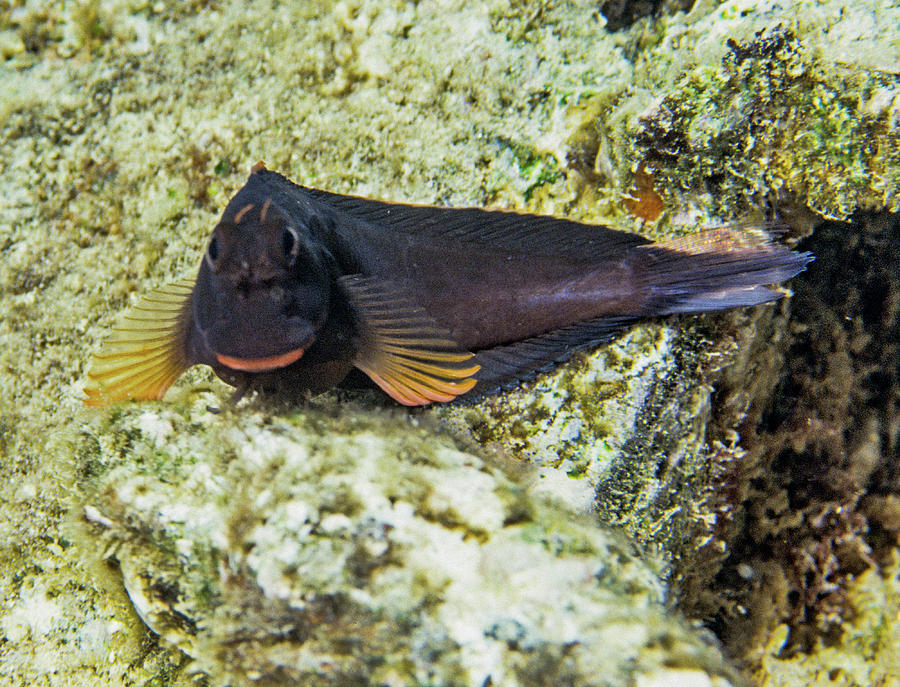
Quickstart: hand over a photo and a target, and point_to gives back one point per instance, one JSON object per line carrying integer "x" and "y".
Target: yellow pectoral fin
{"x": 403, "y": 349}
{"x": 145, "y": 353}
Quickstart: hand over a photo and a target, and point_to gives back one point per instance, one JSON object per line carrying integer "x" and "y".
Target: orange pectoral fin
{"x": 403, "y": 349}
{"x": 411, "y": 389}
{"x": 144, "y": 355}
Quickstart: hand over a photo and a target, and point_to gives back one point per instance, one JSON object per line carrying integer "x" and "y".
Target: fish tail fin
{"x": 721, "y": 268}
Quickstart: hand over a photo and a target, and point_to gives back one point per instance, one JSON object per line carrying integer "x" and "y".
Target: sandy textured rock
{"x": 357, "y": 548}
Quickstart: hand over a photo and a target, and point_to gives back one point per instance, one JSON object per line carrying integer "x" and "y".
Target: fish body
{"x": 299, "y": 286}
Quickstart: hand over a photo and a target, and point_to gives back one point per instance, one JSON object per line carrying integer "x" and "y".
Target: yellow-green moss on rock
{"x": 799, "y": 111}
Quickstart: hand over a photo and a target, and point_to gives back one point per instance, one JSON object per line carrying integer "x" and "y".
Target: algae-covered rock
{"x": 867, "y": 653}
{"x": 597, "y": 429}
{"x": 362, "y": 549}
{"x": 786, "y": 102}
{"x": 809, "y": 494}
{"x": 740, "y": 104}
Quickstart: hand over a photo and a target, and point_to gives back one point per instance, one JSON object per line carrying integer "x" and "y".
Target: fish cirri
{"x": 300, "y": 286}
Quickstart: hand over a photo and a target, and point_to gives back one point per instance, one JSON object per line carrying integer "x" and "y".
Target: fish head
{"x": 263, "y": 289}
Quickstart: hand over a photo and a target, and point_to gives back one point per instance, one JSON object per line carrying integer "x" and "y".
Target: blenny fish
{"x": 300, "y": 286}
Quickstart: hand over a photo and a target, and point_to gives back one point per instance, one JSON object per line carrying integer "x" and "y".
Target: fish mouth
{"x": 261, "y": 364}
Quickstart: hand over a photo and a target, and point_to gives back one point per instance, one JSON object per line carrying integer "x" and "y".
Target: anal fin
{"x": 505, "y": 366}
{"x": 403, "y": 349}
{"x": 145, "y": 353}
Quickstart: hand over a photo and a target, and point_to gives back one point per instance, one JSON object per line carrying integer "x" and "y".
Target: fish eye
{"x": 290, "y": 244}
{"x": 212, "y": 253}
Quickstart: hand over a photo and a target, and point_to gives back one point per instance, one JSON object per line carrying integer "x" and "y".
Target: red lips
{"x": 260, "y": 364}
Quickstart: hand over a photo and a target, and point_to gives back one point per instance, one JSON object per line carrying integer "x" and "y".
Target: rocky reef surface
{"x": 357, "y": 547}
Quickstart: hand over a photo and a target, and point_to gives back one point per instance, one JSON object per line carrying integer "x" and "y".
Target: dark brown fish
{"x": 299, "y": 286}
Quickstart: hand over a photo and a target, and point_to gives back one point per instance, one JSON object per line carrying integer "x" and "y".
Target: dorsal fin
{"x": 145, "y": 353}
{"x": 401, "y": 347}
{"x": 504, "y": 230}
